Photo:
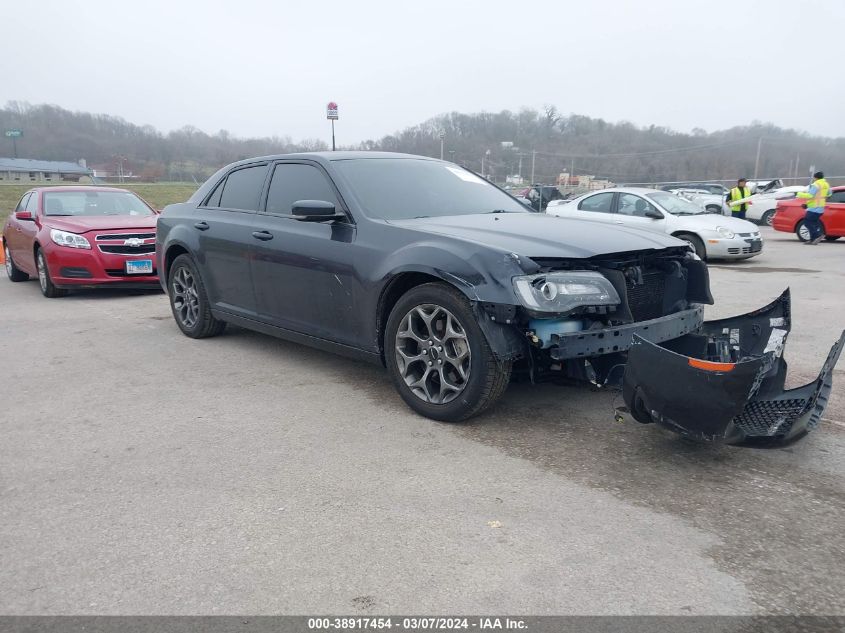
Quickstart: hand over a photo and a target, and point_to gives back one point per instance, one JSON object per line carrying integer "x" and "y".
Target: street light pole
{"x": 442, "y": 137}
{"x": 533, "y": 160}
{"x": 757, "y": 162}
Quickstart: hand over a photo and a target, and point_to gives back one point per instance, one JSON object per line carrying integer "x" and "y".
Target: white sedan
{"x": 712, "y": 236}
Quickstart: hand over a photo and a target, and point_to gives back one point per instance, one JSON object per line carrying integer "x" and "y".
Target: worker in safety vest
{"x": 738, "y": 193}
{"x": 816, "y": 196}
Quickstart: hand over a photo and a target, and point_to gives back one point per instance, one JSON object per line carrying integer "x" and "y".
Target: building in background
{"x": 30, "y": 170}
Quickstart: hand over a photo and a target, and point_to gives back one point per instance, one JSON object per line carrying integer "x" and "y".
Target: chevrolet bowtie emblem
{"x": 134, "y": 242}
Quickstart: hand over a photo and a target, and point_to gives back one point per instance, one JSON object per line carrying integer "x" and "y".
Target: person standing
{"x": 816, "y": 196}
{"x": 738, "y": 193}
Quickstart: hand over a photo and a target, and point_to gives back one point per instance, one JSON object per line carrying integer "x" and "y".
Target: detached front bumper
{"x": 726, "y": 381}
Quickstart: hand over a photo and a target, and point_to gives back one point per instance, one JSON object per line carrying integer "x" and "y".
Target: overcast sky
{"x": 261, "y": 68}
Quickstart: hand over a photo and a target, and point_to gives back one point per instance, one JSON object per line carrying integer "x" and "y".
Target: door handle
{"x": 202, "y": 226}
{"x": 262, "y": 235}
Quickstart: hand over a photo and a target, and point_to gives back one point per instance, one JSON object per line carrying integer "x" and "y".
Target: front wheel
{"x": 48, "y": 289}
{"x": 189, "y": 301}
{"x": 696, "y": 243}
{"x": 438, "y": 358}
{"x": 13, "y": 272}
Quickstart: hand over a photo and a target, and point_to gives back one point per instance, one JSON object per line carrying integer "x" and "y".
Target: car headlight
{"x": 726, "y": 233}
{"x": 63, "y": 238}
{"x": 560, "y": 292}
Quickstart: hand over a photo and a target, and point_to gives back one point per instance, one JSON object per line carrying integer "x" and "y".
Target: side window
{"x": 22, "y": 204}
{"x": 214, "y": 200}
{"x": 32, "y": 205}
{"x": 292, "y": 182}
{"x": 837, "y": 196}
{"x": 629, "y": 204}
{"x": 242, "y": 189}
{"x": 600, "y": 203}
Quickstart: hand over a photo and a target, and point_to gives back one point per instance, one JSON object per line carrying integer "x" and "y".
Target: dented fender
{"x": 726, "y": 382}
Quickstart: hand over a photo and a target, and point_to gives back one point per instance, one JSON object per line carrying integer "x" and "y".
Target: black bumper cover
{"x": 725, "y": 382}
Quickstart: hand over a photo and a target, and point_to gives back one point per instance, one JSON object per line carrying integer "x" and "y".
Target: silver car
{"x": 712, "y": 236}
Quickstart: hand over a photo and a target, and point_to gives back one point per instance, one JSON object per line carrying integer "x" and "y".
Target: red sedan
{"x": 789, "y": 216}
{"x": 81, "y": 237}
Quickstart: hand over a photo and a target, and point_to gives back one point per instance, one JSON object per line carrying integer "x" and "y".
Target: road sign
{"x": 331, "y": 111}
{"x": 14, "y": 133}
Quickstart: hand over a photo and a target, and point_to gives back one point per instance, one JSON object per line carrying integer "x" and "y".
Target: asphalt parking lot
{"x": 142, "y": 472}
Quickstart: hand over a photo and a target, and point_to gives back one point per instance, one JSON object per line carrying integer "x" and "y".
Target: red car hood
{"x": 85, "y": 223}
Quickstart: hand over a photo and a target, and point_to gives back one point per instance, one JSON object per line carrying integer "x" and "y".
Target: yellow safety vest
{"x": 739, "y": 194}
{"x": 819, "y": 200}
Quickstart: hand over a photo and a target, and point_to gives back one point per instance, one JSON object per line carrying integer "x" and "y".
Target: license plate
{"x": 139, "y": 267}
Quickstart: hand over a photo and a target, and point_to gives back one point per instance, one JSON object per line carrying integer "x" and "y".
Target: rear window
{"x": 242, "y": 189}
{"x": 73, "y": 203}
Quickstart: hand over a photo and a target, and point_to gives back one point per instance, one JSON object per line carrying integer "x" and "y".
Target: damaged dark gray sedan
{"x": 454, "y": 287}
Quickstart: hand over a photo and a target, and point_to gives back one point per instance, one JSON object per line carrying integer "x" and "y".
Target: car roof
{"x": 334, "y": 156}
{"x": 79, "y": 188}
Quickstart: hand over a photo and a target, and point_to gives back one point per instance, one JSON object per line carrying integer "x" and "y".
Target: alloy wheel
{"x": 186, "y": 302}
{"x": 42, "y": 272}
{"x": 804, "y": 233}
{"x": 433, "y": 354}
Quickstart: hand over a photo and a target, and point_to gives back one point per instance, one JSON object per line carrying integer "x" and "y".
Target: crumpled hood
{"x": 541, "y": 235}
{"x": 85, "y": 223}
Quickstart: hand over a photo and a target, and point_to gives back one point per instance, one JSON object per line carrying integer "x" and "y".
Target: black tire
{"x": 802, "y": 232}
{"x": 486, "y": 377}
{"x": 831, "y": 238}
{"x": 767, "y": 218}
{"x": 45, "y": 282}
{"x": 695, "y": 242}
{"x": 189, "y": 300}
{"x": 13, "y": 272}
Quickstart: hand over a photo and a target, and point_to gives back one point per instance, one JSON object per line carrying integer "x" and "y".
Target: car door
{"x": 225, "y": 223}
{"x": 631, "y": 210}
{"x": 303, "y": 272}
{"x": 834, "y": 214}
{"x": 14, "y": 232}
{"x": 597, "y": 207}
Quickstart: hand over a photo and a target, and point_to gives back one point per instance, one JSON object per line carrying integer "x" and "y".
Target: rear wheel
{"x": 48, "y": 289}
{"x": 695, "y": 242}
{"x": 802, "y": 231}
{"x": 438, "y": 357}
{"x": 189, "y": 301}
{"x": 768, "y": 217}
{"x": 13, "y": 272}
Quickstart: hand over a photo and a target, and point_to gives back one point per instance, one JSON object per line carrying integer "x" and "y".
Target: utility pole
{"x": 519, "y": 170}
{"x": 797, "y": 156}
{"x": 572, "y": 168}
{"x": 533, "y": 162}
{"x": 442, "y": 137}
{"x": 757, "y": 162}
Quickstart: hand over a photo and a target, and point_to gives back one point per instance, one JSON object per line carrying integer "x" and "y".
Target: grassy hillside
{"x": 159, "y": 195}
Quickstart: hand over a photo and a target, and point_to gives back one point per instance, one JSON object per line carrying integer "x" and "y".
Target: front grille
{"x": 770, "y": 417}
{"x": 126, "y": 236}
{"x": 646, "y": 299}
{"x": 120, "y": 249}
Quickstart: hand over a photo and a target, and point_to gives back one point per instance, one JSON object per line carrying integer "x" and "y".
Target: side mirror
{"x": 315, "y": 211}
{"x": 653, "y": 214}
{"x": 24, "y": 215}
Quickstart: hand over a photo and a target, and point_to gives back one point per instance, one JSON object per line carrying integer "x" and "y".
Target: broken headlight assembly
{"x": 562, "y": 292}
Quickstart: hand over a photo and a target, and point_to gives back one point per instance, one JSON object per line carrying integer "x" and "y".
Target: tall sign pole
{"x": 442, "y": 136}
{"x": 331, "y": 115}
{"x": 14, "y": 135}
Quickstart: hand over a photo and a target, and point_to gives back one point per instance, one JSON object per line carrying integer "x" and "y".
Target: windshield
{"x": 58, "y": 203}
{"x": 675, "y": 204}
{"x": 404, "y": 188}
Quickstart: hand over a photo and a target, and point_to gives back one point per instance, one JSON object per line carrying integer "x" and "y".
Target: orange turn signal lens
{"x": 707, "y": 365}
